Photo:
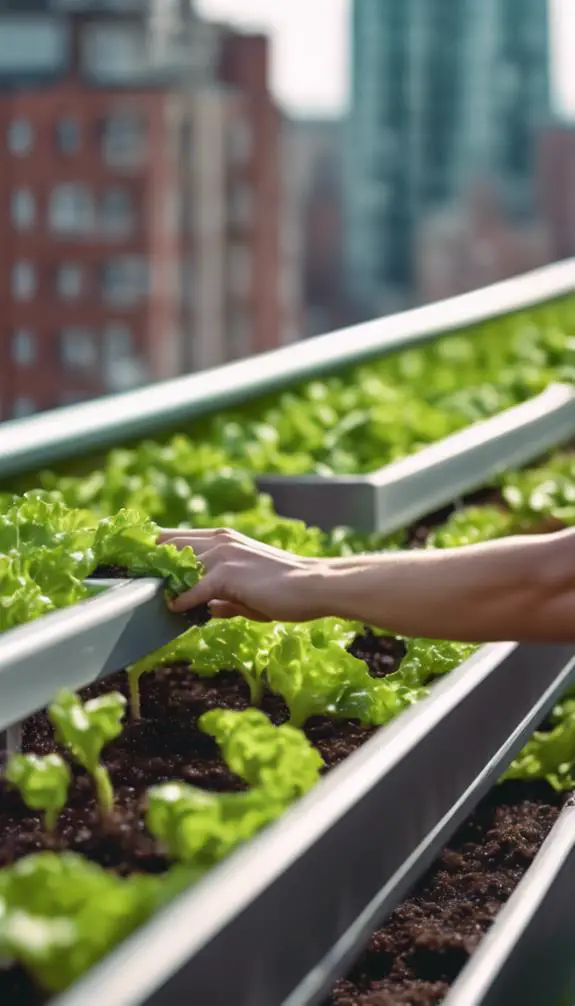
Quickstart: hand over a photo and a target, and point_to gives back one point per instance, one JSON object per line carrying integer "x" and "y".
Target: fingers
{"x": 205, "y": 590}
{"x": 201, "y": 539}
{"x": 227, "y": 609}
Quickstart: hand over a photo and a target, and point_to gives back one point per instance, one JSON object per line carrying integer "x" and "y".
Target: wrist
{"x": 324, "y": 589}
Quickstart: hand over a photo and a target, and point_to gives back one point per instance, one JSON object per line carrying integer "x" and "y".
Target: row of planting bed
{"x": 334, "y": 684}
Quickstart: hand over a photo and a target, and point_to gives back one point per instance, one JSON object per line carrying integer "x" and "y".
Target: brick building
{"x": 121, "y": 241}
{"x": 235, "y": 305}
{"x": 556, "y": 187}
{"x": 475, "y": 243}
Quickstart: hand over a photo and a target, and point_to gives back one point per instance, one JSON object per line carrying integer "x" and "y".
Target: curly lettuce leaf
{"x": 549, "y": 754}
{"x": 199, "y": 828}
{"x": 127, "y": 539}
{"x": 43, "y": 783}
{"x": 316, "y": 676}
{"x": 279, "y": 759}
{"x": 60, "y": 914}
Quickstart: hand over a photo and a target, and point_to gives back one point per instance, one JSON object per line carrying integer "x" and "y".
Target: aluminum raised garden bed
{"x": 124, "y": 621}
{"x": 279, "y": 920}
{"x": 333, "y": 866}
{"x": 407, "y": 490}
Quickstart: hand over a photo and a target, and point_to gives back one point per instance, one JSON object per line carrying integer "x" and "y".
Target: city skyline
{"x": 317, "y": 83}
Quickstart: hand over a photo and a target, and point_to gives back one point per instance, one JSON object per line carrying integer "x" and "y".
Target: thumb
{"x": 203, "y": 592}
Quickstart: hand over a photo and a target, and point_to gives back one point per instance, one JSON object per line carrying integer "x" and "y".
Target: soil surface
{"x": 430, "y": 936}
{"x": 418, "y": 954}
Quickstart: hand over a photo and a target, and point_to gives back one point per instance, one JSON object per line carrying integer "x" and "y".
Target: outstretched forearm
{"x": 517, "y": 588}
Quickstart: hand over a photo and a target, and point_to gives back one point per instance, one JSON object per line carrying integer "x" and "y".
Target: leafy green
{"x": 315, "y": 675}
{"x": 59, "y": 914}
{"x": 130, "y": 540}
{"x": 471, "y": 525}
{"x": 43, "y": 783}
{"x": 352, "y": 422}
{"x": 200, "y": 828}
{"x": 278, "y": 759}
{"x": 549, "y": 754}
{"x": 546, "y": 491}
{"x": 85, "y": 729}
{"x": 427, "y": 659}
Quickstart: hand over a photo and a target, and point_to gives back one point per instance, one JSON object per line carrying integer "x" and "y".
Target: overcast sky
{"x": 310, "y": 48}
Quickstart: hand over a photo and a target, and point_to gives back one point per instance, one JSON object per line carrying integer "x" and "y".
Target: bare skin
{"x": 520, "y": 588}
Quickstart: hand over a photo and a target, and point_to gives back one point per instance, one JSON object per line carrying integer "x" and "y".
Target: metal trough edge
{"x": 411, "y": 488}
{"x": 527, "y": 955}
{"x": 72, "y": 647}
{"x": 287, "y": 913}
{"x": 41, "y": 440}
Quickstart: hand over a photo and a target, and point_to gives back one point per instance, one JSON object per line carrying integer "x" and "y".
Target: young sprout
{"x": 85, "y": 728}
{"x": 43, "y": 783}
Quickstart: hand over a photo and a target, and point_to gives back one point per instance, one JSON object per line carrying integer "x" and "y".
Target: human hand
{"x": 246, "y": 577}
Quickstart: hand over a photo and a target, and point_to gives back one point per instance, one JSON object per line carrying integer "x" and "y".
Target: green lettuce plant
{"x": 43, "y": 783}
{"x": 85, "y": 729}
{"x": 199, "y": 828}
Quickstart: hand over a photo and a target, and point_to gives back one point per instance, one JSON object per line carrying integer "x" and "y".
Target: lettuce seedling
{"x": 279, "y": 763}
{"x": 200, "y": 828}
{"x": 43, "y": 783}
{"x": 85, "y": 728}
{"x": 237, "y": 644}
{"x": 279, "y": 760}
{"x": 322, "y": 679}
{"x": 60, "y": 914}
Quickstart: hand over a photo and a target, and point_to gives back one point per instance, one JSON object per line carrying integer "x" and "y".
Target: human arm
{"x": 515, "y": 588}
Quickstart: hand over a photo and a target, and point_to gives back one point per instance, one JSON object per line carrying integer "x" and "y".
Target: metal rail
{"x": 342, "y": 858}
{"x": 31, "y": 443}
{"x": 406, "y": 490}
{"x": 73, "y": 647}
{"x": 527, "y": 955}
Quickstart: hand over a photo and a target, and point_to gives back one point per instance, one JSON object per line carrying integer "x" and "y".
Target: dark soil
{"x": 427, "y": 941}
{"x": 429, "y": 937}
{"x": 110, "y": 573}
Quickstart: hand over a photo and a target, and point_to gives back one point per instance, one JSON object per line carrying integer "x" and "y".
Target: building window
{"x": 68, "y": 135}
{"x": 23, "y": 347}
{"x": 117, "y": 212}
{"x": 23, "y": 209}
{"x": 240, "y": 335}
{"x": 240, "y": 271}
{"x": 70, "y": 281}
{"x": 20, "y": 137}
{"x": 24, "y": 281}
{"x": 114, "y": 52}
{"x": 125, "y": 280}
{"x": 71, "y": 210}
{"x": 240, "y": 142}
{"x": 241, "y": 206}
{"x": 24, "y": 405}
{"x": 123, "y": 140}
{"x": 78, "y": 348}
{"x": 118, "y": 342}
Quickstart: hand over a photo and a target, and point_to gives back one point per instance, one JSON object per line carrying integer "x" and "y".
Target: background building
{"x": 139, "y": 198}
{"x": 441, "y": 90}
{"x": 556, "y": 187}
{"x": 313, "y": 157}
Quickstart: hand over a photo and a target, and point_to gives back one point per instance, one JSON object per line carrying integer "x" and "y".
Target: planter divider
{"x": 73, "y": 647}
{"x": 408, "y": 489}
{"x": 527, "y": 955}
{"x": 289, "y": 912}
